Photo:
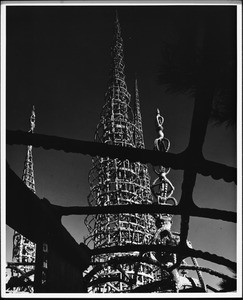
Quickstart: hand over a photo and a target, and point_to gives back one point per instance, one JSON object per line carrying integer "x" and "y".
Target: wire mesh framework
{"x": 24, "y": 251}
{"x": 117, "y": 182}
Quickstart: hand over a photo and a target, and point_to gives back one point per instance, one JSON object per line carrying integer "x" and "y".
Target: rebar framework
{"x": 24, "y": 251}
{"x": 119, "y": 182}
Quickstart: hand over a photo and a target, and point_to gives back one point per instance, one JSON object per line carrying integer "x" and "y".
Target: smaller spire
{"x": 137, "y": 112}
{"x": 136, "y": 91}
{"x": 139, "y": 139}
{"x": 24, "y": 250}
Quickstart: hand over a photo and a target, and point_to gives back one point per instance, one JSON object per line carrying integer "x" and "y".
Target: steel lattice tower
{"x": 23, "y": 249}
{"x": 116, "y": 182}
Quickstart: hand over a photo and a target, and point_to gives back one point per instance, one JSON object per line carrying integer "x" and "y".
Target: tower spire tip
{"x": 117, "y": 19}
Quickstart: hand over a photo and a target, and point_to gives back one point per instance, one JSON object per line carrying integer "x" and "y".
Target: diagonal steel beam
{"x": 175, "y": 161}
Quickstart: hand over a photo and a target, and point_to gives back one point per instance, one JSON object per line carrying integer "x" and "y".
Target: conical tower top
{"x": 117, "y": 97}
{"x": 117, "y": 75}
{"x": 117, "y": 18}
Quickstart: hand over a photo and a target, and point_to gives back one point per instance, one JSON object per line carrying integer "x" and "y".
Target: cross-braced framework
{"x": 24, "y": 251}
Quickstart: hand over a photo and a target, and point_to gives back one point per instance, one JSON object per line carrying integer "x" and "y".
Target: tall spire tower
{"x": 23, "y": 249}
{"x": 116, "y": 182}
{"x": 116, "y": 111}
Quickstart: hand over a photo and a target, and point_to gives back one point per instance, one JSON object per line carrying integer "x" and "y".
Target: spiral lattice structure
{"x": 116, "y": 182}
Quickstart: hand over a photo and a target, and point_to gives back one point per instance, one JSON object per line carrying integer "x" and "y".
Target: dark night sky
{"x": 58, "y": 59}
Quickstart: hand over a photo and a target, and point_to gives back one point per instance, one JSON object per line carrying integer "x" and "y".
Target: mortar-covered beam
{"x": 175, "y": 161}
{"x": 210, "y": 213}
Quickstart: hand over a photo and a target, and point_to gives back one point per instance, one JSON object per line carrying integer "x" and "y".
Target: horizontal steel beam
{"x": 195, "y": 211}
